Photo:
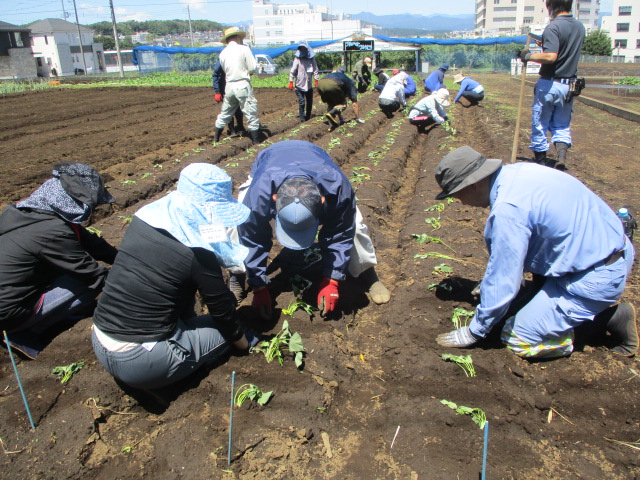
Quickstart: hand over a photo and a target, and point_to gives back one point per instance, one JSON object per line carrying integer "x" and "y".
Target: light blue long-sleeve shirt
{"x": 435, "y": 80}
{"x": 541, "y": 221}
{"x": 467, "y": 84}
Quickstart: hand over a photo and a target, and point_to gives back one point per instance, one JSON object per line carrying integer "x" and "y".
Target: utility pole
{"x": 84, "y": 61}
{"x": 65, "y": 15}
{"x": 190, "y": 30}
{"x": 115, "y": 37}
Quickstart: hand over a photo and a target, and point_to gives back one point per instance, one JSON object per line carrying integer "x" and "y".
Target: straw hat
{"x": 458, "y": 78}
{"x": 232, "y": 31}
{"x": 367, "y": 60}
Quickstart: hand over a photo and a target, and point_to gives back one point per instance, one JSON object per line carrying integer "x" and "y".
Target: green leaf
{"x": 295, "y": 343}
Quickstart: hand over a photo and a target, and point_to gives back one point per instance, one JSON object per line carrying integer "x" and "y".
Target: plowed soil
{"x": 367, "y": 405}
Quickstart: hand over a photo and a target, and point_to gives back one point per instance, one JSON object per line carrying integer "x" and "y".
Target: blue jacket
{"x": 435, "y": 81}
{"x": 410, "y": 87}
{"x": 292, "y": 159}
{"x": 219, "y": 78}
{"x": 467, "y": 83}
{"x": 545, "y": 222}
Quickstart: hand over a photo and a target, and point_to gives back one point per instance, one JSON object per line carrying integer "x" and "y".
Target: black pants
{"x": 238, "y": 122}
{"x": 305, "y": 103}
{"x": 389, "y": 107}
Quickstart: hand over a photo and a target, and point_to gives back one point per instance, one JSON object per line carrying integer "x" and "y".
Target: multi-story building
{"x": 16, "y": 59}
{"x": 623, "y": 26}
{"x": 56, "y": 47}
{"x": 275, "y": 24}
{"x": 514, "y": 17}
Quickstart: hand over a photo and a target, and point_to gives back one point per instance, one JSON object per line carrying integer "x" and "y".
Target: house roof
{"x": 56, "y": 25}
{"x": 7, "y": 27}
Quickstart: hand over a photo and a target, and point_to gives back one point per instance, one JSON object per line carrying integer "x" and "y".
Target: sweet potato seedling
{"x": 434, "y": 222}
{"x": 297, "y": 304}
{"x": 299, "y": 284}
{"x": 438, "y": 207}
{"x": 477, "y": 415}
{"x": 253, "y": 393}
{"x": 66, "y": 372}
{"x": 284, "y": 339}
{"x": 461, "y": 317}
{"x": 424, "y": 238}
{"x": 464, "y": 362}
{"x": 443, "y": 269}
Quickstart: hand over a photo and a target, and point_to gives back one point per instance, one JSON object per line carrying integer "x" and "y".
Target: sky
{"x": 19, "y": 12}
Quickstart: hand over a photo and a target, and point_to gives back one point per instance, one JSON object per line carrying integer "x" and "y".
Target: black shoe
{"x": 540, "y": 157}
{"x": 216, "y": 135}
{"x": 622, "y": 327}
{"x": 255, "y": 136}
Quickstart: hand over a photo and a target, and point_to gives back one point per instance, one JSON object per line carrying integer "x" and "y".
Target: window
{"x": 46, "y": 41}
{"x": 267, "y": 33}
{"x": 496, "y": 2}
{"x": 636, "y": 59}
{"x": 279, "y": 32}
{"x": 624, "y": 11}
{"x": 638, "y": 43}
{"x": 620, "y": 44}
{"x": 266, "y": 22}
{"x": 622, "y": 27}
{"x": 39, "y": 61}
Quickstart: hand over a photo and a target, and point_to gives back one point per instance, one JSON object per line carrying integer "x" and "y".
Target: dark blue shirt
{"x": 435, "y": 81}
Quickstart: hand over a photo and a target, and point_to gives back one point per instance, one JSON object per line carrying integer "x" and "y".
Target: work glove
{"x": 290, "y": 87}
{"x": 315, "y": 83}
{"x": 524, "y": 54}
{"x": 459, "y": 338}
{"x": 262, "y": 302}
{"x": 328, "y": 295}
{"x": 218, "y": 97}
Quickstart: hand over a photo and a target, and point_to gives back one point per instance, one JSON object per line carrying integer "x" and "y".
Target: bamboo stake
{"x": 514, "y": 147}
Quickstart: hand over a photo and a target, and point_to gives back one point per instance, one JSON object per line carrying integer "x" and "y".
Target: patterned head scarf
{"x": 73, "y": 192}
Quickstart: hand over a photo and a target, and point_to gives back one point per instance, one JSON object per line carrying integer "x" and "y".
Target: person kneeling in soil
{"x": 334, "y": 89}
{"x": 548, "y": 223}
{"x": 391, "y": 98}
{"x": 469, "y": 89}
{"x": 430, "y": 110}
{"x": 383, "y": 78}
{"x": 299, "y": 185}
{"x": 145, "y": 332}
{"x": 48, "y": 261}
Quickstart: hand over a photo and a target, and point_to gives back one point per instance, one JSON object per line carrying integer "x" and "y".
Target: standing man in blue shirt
{"x": 548, "y": 223}
{"x": 297, "y": 184}
{"x": 435, "y": 80}
{"x": 552, "y": 106}
{"x": 469, "y": 89}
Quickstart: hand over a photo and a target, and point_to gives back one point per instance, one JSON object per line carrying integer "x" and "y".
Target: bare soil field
{"x": 369, "y": 369}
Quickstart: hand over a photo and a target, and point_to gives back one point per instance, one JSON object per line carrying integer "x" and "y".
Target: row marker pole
{"x": 233, "y": 387}
{"x": 15, "y": 370}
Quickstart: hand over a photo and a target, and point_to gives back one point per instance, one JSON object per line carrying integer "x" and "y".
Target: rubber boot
{"x": 237, "y": 285}
{"x": 540, "y": 157}
{"x": 378, "y": 292}
{"x": 255, "y": 136}
{"x": 232, "y": 131}
{"x": 620, "y": 322}
{"x": 216, "y": 135}
{"x": 562, "y": 149}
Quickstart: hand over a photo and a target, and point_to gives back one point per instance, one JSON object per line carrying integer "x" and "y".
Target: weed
{"x": 477, "y": 415}
{"x": 253, "y": 393}
{"x": 465, "y": 363}
{"x": 461, "y": 317}
{"x": 66, "y": 372}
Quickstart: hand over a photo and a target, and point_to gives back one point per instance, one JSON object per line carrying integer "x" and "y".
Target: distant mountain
{"x": 437, "y": 22}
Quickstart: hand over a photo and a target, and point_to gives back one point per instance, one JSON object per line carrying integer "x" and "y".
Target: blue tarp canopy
{"x": 277, "y": 51}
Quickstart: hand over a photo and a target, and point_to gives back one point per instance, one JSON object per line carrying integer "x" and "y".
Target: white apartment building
{"x": 275, "y": 24}
{"x": 515, "y": 17}
{"x": 56, "y": 48}
{"x": 623, "y": 26}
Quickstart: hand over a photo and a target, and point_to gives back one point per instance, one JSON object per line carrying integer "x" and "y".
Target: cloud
{"x": 196, "y": 5}
{"x": 123, "y": 15}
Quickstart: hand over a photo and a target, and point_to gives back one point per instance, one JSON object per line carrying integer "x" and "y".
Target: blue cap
{"x": 298, "y": 205}
{"x": 444, "y": 66}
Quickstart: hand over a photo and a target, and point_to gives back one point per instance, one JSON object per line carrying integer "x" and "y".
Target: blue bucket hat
{"x": 444, "y": 67}
{"x": 298, "y": 206}
{"x": 198, "y": 213}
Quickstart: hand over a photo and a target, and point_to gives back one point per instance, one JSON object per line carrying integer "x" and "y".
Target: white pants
{"x": 363, "y": 255}
{"x": 239, "y": 95}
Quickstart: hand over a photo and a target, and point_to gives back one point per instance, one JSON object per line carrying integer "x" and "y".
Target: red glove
{"x": 218, "y": 97}
{"x": 328, "y": 295}
{"x": 315, "y": 83}
{"x": 262, "y": 302}
{"x": 290, "y": 87}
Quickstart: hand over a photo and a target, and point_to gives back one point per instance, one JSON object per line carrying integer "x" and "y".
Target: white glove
{"x": 459, "y": 338}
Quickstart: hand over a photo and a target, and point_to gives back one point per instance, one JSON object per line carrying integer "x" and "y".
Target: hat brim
{"x": 489, "y": 166}
{"x": 296, "y": 240}
{"x": 239, "y": 33}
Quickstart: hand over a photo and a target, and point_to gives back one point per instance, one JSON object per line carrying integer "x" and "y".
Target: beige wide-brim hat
{"x": 367, "y": 60}
{"x": 233, "y": 31}
{"x": 458, "y": 78}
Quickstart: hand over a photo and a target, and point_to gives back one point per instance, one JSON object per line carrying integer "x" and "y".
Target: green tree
{"x": 597, "y": 43}
{"x": 108, "y": 43}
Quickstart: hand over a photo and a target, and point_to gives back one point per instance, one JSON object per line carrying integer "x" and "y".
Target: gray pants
{"x": 239, "y": 95}
{"x": 194, "y": 342}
